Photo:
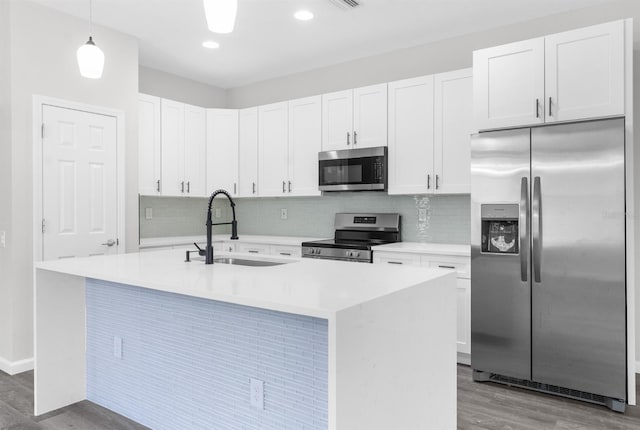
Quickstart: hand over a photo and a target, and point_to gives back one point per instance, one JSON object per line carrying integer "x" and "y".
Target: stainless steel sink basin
{"x": 245, "y": 262}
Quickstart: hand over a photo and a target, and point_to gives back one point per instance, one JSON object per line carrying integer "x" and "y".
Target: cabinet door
{"x": 585, "y": 73}
{"x": 172, "y": 138}
{"x": 411, "y": 136}
{"x": 248, "y": 153}
{"x": 508, "y": 84}
{"x": 305, "y": 130}
{"x": 370, "y": 116}
{"x": 222, "y": 150}
{"x": 149, "y": 153}
{"x": 452, "y": 131}
{"x": 337, "y": 120}
{"x": 273, "y": 146}
{"x": 195, "y": 151}
{"x": 463, "y": 295}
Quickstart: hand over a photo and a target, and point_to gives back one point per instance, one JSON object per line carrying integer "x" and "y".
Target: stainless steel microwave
{"x": 363, "y": 169}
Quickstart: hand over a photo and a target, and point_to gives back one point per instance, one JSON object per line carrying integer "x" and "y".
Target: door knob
{"x": 109, "y": 242}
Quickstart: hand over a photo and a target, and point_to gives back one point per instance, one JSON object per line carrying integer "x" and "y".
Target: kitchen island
{"x": 308, "y": 343}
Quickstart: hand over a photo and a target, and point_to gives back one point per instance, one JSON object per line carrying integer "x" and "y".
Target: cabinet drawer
{"x": 252, "y": 248}
{"x": 286, "y": 250}
{"x": 459, "y": 264}
{"x": 396, "y": 258}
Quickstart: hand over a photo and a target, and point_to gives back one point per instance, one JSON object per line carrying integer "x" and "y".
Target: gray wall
{"x": 43, "y": 62}
{"x": 447, "y": 216}
{"x": 5, "y": 177}
{"x": 162, "y": 84}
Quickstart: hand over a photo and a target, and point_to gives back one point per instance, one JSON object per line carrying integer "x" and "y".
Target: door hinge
{"x": 42, "y": 130}
{"x": 43, "y": 226}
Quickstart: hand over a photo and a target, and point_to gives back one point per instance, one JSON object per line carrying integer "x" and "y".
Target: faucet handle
{"x": 200, "y": 250}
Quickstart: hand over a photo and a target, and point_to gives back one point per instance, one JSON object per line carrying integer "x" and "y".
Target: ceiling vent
{"x": 346, "y": 4}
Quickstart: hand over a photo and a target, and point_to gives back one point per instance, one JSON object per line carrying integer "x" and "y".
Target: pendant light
{"x": 221, "y": 15}
{"x": 90, "y": 57}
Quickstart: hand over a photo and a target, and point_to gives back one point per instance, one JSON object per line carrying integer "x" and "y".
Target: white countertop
{"x": 425, "y": 248}
{"x": 187, "y": 240}
{"x": 318, "y": 288}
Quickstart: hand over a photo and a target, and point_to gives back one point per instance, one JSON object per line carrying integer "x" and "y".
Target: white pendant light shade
{"x": 221, "y": 15}
{"x": 90, "y": 60}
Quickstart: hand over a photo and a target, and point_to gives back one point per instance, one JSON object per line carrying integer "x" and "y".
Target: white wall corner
{"x": 15, "y": 367}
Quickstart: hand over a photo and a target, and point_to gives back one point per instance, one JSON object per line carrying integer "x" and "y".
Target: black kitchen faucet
{"x": 234, "y": 225}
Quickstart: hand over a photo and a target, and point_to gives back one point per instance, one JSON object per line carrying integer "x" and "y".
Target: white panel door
{"x": 273, "y": 146}
{"x": 222, "y": 150}
{"x": 452, "y": 131}
{"x": 585, "y": 73}
{"x": 79, "y": 194}
{"x": 172, "y": 114}
{"x": 508, "y": 84}
{"x": 411, "y": 136}
{"x": 248, "y": 152}
{"x": 149, "y": 154}
{"x": 195, "y": 144}
{"x": 370, "y": 116}
{"x": 305, "y": 131}
{"x": 337, "y": 120}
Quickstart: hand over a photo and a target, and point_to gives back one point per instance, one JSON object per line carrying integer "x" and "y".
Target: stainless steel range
{"x": 355, "y": 234}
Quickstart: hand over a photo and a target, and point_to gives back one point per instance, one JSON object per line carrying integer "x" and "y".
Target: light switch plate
{"x": 257, "y": 393}
{"x": 283, "y": 214}
{"x": 148, "y": 213}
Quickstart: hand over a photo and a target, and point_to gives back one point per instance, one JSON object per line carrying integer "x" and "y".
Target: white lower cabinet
{"x": 462, "y": 267}
{"x": 286, "y": 250}
{"x": 252, "y": 248}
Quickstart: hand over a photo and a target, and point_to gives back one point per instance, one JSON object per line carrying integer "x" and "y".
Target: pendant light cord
{"x": 90, "y": 18}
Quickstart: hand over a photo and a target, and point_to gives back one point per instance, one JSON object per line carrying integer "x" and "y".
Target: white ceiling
{"x": 268, "y": 42}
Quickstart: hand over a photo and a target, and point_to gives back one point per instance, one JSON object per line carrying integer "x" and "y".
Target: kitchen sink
{"x": 245, "y": 262}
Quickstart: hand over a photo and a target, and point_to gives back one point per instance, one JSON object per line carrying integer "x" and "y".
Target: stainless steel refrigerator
{"x": 548, "y": 289}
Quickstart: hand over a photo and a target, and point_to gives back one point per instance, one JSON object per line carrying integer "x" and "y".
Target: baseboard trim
{"x": 14, "y": 367}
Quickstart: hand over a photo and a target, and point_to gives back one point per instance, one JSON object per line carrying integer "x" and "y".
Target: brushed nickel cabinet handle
{"x": 355, "y": 138}
{"x": 550, "y": 114}
{"x": 188, "y": 186}
{"x": 158, "y": 185}
{"x": 182, "y": 185}
{"x": 348, "y": 138}
{"x": 442, "y": 266}
{"x": 395, "y": 262}
{"x": 437, "y": 181}
{"x": 428, "y": 181}
{"x": 284, "y": 187}
{"x": 289, "y": 186}
{"x": 235, "y": 188}
{"x": 537, "y": 108}
{"x": 254, "y": 187}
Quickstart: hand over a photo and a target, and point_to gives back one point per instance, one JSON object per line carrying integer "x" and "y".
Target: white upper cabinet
{"x": 195, "y": 147}
{"x": 172, "y": 183}
{"x": 355, "y": 118}
{"x": 509, "y": 85}
{"x": 370, "y": 116}
{"x": 453, "y": 127}
{"x": 222, "y": 150}
{"x": 584, "y": 73}
{"x": 273, "y": 148}
{"x": 337, "y": 120}
{"x": 183, "y": 149}
{"x": 149, "y": 153}
{"x": 305, "y": 131}
{"x": 411, "y": 136}
{"x": 430, "y": 125}
{"x": 568, "y": 76}
{"x": 248, "y": 153}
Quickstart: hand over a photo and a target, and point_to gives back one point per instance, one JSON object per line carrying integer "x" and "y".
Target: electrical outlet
{"x": 218, "y": 213}
{"x": 3, "y": 239}
{"x": 422, "y": 215}
{"x": 257, "y": 393}
{"x": 283, "y": 214}
{"x": 148, "y": 213}
{"x": 117, "y": 347}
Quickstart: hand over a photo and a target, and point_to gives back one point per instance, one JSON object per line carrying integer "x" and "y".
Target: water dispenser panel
{"x": 500, "y": 228}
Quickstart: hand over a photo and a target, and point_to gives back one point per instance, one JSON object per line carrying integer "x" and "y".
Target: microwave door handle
{"x": 523, "y": 228}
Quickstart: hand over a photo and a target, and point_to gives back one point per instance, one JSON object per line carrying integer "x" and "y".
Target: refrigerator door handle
{"x": 524, "y": 237}
{"x": 536, "y": 228}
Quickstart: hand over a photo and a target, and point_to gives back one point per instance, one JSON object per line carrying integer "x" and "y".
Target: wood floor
{"x": 481, "y": 406}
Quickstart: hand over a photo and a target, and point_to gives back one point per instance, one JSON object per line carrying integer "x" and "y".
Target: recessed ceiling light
{"x": 211, "y": 44}
{"x": 303, "y": 15}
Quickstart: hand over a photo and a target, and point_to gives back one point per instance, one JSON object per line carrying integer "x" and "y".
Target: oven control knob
{"x": 312, "y": 251}
{"x": 355, "y": 253}
{"x": 318, "y": 251}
